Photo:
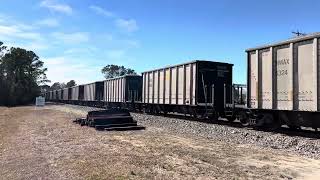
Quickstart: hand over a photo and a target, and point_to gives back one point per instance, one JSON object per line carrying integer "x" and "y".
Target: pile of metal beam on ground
{"x": 110, "y": 120}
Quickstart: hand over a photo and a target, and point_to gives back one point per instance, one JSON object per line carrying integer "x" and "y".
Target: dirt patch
{"x": 43, "y": 143}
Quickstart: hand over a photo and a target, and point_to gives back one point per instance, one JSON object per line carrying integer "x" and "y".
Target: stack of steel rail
{"x": 111, "y": 119}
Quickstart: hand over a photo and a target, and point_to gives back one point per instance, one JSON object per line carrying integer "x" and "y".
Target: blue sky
{"x": 76, "y": 38}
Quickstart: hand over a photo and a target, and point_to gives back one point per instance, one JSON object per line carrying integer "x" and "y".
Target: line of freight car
{"x": 284, "y": 82}
{"x": 283, "y": 87}
{"x": 120, "y": 92}
{"x": 198, "y": 88}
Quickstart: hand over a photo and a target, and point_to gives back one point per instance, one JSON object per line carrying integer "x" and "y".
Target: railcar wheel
{"x": 214, "y": 117}
{"x": 231, "y": 118}
{"x": 268, "y": 122}
{"x": 91, "y": 124}
{"x": 244, "y": 119}
{"x": 165, "y": 112}
{"x": 82, "y": 123}
{"x": 293, "y": 127}
{"x": 195, "y": 115}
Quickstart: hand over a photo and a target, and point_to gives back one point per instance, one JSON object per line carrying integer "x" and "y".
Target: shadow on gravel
{"x": 301, "y": 132}
{"x": 307, "y": 133}
{"x": 53, "y": 103}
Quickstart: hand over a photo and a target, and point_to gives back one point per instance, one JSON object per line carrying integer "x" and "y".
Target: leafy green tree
{"x": 111, "y": 71}
{"x": 71, "y": 83}
{"x": 21, "y": 73}
{"x": 57, "y": 85}
{"x": 44, "y": 88}
{"x": 3, "y": 87}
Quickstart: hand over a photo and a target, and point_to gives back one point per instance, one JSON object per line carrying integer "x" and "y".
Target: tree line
{"x": 21, "y": 72}
{"x": 23, "y": 76}
{"x": 109, "y": 71}
{"x": 57, "y": 85}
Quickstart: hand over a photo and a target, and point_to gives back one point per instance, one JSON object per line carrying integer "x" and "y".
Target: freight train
{"x": 283, "y": 87}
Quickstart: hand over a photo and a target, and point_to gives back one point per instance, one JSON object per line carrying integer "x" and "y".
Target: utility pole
{"x": 298, "y": 33}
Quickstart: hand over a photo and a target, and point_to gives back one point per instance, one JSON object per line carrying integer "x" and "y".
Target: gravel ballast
{"x": 302, "y": 143}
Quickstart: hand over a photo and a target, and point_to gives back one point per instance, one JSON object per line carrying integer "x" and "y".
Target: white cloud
{"x": 18, "y": 31}
{"x": 101, "y": 11}
{"x": 65, "y": 68}
{"x": 108, "y": 37}
{"x": 77, "y": 51}
{"x": 129, "y": 25}
{"x": 116, "y": 54}
{"x": 117, "y": 42}
{"x": 52, "y": 5}
{"x": 74, "y": 50}
{"x": 3, "y": 18}
{"x": 9, "y": 21}
{"x": 17, "y": 34}
{"x": 132, "y": 43}
{"x": 72, "y": 38}
{"x": 8, "y": 30}
{"x": 76, "y": 60}
{"x": 50, "y": 22}
{"x": 54, "y": 61}
{"x": 35, "y": 46}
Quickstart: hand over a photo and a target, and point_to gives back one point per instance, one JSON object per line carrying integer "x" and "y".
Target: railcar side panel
{"x": 65, "y": 94}
{"x": 188, "y": 89}
{"x": 295, "y": 82}
{"x": 181, "y": 84}
{"x": 156, "y": 88}
{"x": 75, "y": 93}
{"x": 161, "y": 87}
{"x": 109, "y": 86}
{"x": 253, "y": 60}
{"x": 174, "y": 85}
{"x": 193, "y": 82}
{"x": 59, "y": 94}
{"x": 265, "y": 59}
{"x": 167, "y": 85}
{"x": 284, "y": 71}
{"x": 123, "y": 89}
{"x": 112, "y": 90}
{"x": 150, "y": 87}
{"x": 143, "y": 88}
{"x": 307, "y": 76}
{"x": 89, "y": 90}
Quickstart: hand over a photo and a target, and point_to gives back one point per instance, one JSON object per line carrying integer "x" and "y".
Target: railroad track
{"x": 285, "y": 130}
